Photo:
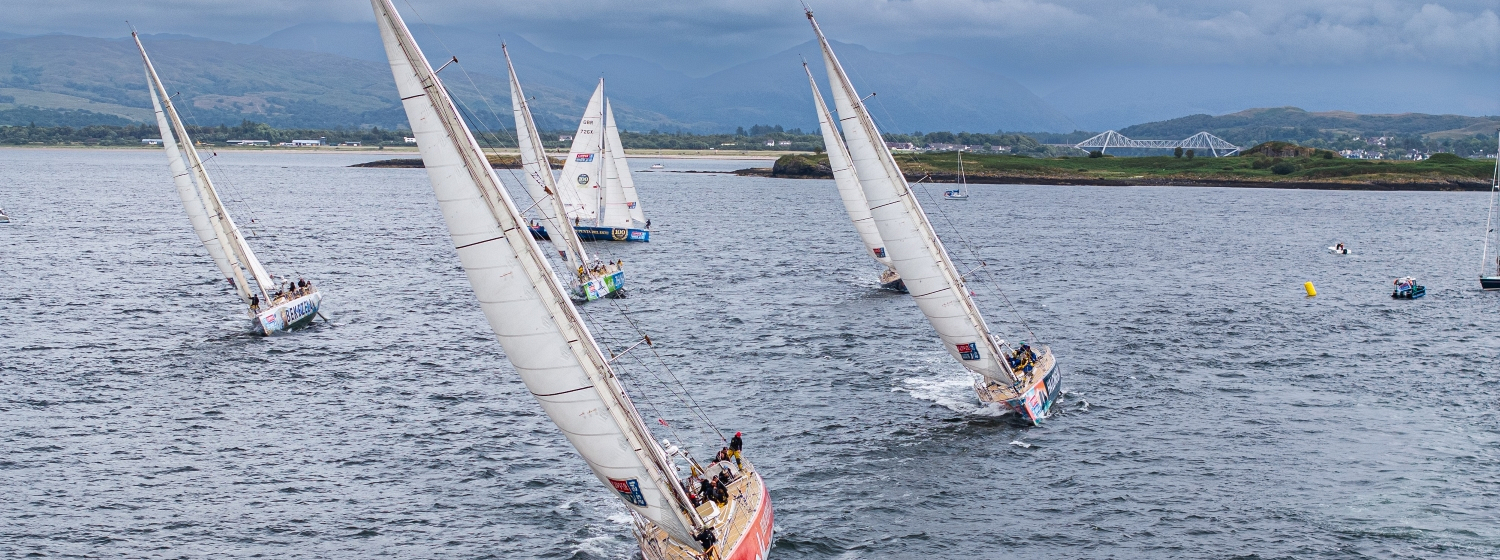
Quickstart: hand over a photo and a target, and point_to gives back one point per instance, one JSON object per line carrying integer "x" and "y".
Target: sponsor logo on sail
{"x": 630, "y": 490}
{"x": 584, "y": 158}
{"x": 583, "y": 179}
{"x": 630, "y": 205}
{"x": 880, "y": 252}
{"x": 969, "y": 350}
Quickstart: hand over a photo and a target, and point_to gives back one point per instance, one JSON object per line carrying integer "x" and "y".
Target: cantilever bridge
{"x": 1199, "y": 142}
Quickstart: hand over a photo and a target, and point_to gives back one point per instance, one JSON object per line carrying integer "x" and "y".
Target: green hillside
{"x": 1336, "y": 130}
{"x": 1318, "y": 169}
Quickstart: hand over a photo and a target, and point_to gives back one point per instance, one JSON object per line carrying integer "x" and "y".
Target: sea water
{"x": 1212, "y": 410}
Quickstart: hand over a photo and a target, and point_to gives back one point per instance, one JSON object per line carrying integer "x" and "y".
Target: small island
{"x": 1268, "y": 165}
{"x": 496, "y": 161}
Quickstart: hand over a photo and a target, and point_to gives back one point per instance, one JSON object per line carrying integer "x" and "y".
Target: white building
{"x": 307, "y": 143}
{"x": 248, "y": 142}
{"x": 408, "y": 140}
{"x": 151, "y": 141}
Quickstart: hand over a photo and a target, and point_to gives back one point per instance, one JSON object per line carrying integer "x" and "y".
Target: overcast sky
{"x": 1042, "y": 43}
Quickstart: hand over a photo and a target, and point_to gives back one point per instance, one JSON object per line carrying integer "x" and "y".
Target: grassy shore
{"x": 1442, "y": 172}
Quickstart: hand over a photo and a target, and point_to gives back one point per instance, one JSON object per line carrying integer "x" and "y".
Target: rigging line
{"x": 686, "y": 396}
{"x": 241, "y": 205}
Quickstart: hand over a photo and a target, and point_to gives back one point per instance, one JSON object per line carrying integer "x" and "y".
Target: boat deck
{"x": 990, "y": 391}
{"x": 743, "y": 525}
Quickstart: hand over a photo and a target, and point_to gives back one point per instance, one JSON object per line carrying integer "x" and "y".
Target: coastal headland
{"x": 1256, "y": 169}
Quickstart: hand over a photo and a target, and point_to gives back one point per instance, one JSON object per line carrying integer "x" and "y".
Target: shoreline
{"x": 940, "y": 178}
{"x": 402, "y": 150}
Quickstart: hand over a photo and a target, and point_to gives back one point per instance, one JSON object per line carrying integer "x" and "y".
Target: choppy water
{"x": 1213, "y": 410}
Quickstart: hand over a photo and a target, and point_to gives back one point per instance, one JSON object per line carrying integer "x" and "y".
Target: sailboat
{"x": 273, "y": 306}
{"x": 588, "y": 279}
{"x": 601, "y": 197}
{"x": 962, "y": 192}
{"x": 4, "y": 218}
{"x": 545, "y": 339}
{"x": 1489, "y": 272}
{"x": 1024, "y": 378}
{"x": 847, "y": 181}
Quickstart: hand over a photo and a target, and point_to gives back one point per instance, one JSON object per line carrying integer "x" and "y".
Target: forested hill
{"x": 1254, "y": 126}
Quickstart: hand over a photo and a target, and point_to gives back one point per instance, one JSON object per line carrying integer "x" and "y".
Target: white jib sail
{"x": 914, "y": 248}
{"x": 614, "y": 212}
{"x": 531, "y": 315}
{"x": 622, "y": 166}
{"x": 538, "y": 175}
{"x": 846, "y": 179}
{"x": 584, "y": 169}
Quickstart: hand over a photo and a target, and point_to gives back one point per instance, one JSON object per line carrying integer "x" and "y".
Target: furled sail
{"x": 622, "y": 167}
{"x": 583, "y": 172}
{"x": 538, "y": 171}
{"x": 915, "y": 251}
{"x": 531, "y": 315}
{"x": 231, "y": 242}
{"x": 846, "y": 179}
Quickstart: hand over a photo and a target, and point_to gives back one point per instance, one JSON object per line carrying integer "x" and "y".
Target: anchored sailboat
{"x": 1489, "y": 272}
{"x": 601, "y": 198}
{"x": 962, "y": 192}
{"x": 545, "y": 339}
{"x": 1025, "y": 379}
{"x": 847, "y": 181}
{"x": 273, "y": 306}
{"x": 589, "y": 279}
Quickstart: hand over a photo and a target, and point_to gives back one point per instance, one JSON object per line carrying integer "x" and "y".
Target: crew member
{"x": 735, "y": 445}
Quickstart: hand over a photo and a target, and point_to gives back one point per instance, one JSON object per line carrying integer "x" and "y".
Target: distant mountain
{"x": 1290, "y": 123}
{"x": 920, "y": 91}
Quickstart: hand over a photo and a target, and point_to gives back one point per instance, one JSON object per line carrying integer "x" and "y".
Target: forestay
{"x": 583, "y": 171}
{"x": 846, "y": 179}
{"x": 913, "y": 246}
{"x": 537, "y": 326}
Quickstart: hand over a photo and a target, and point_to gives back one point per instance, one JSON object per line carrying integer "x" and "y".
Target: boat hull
{"x": 890, "y": 280}
{"x": 1034, "y": 404}
{"x": 1489, "y": 282}
{"x": 539, "y": 233}
{"x": 1413, "y": 293}
{"x": 289, "y": 315}
{"x": 607, "y": 285}
{"x": 749, "y": 539}
{"x": 592, "y": 233}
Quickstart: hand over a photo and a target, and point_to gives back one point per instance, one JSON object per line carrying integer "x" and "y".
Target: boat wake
{"x": 955, "y": 392}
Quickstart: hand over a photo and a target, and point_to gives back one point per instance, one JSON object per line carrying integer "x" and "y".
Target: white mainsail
{"x": 914, "y": 248}
{"x": 846, "y": 178}
{"x": 538, "y": 171}
{"x": 187, "y": 190}
{"x": 622, "y": 167}
{"x": 231, "y": 242}
{"x": 538, "y": 327}
{"x": 583, "y": 172}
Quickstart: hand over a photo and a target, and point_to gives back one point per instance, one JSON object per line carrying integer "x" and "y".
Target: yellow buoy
{"x": 1311, "y": 291}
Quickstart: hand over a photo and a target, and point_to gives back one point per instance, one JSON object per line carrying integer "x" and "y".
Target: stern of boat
{"x": 608, "y": 284}
{"x": 1034, "y": 393}
{"x": 1489, "y": 282}
{"x": 594, "y": 233}
{"x": 289, "y": 314}
{"x": 743, "y": 526}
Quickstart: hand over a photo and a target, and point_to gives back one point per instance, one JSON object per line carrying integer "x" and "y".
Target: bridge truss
{"x": 1200, "y": 143}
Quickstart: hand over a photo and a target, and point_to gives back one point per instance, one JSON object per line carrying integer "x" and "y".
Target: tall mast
{"x": 1489, "y": 219}
{"x": 541, "y": 332}
{"x": 228, "y": 236}
{"x": 539, "y": 171}
{"x": 916, "y": 253}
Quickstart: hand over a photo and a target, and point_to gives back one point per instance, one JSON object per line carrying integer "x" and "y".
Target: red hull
{"x": 756, "y": 545}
